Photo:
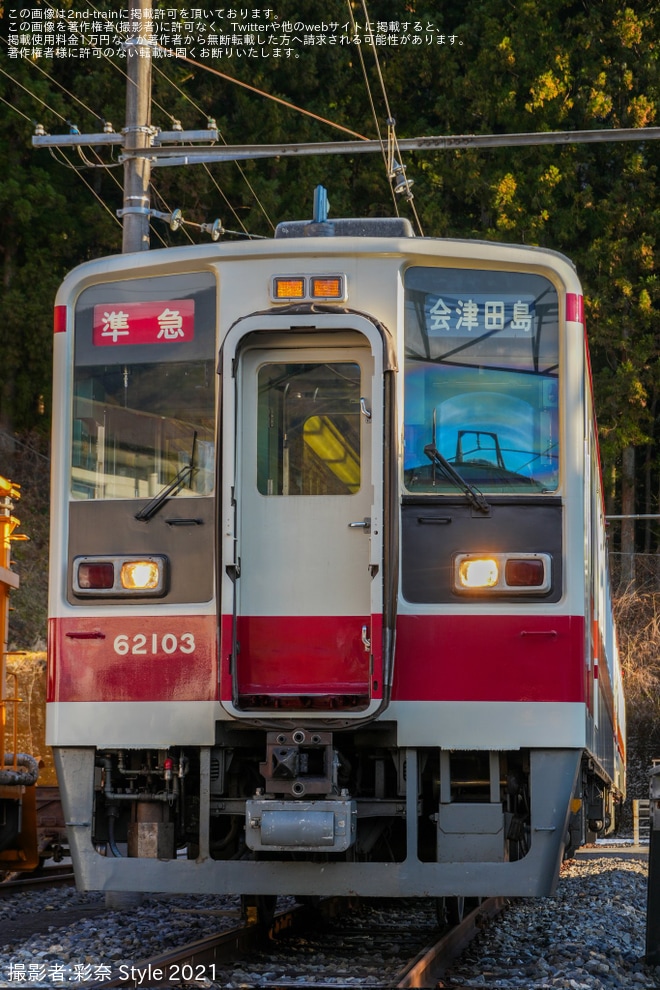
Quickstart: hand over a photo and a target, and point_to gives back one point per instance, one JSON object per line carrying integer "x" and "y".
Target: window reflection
{"x": 308, "y": 424}
{"x": 482, "y": 356}
{"x": 144, "y": 387}
{"x": 135, "y": 427}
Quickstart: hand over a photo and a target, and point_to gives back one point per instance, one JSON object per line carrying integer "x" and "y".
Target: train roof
{"x": 343, "y": 236}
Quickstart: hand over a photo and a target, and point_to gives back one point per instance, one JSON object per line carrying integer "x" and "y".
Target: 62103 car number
{"x": 151, "y": 644}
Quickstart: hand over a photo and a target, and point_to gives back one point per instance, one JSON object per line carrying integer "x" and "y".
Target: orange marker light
{"x": 328, "y": 287}
{"x": 289, "y": 288}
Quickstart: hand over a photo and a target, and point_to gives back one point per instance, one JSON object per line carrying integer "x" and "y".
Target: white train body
{"x": 329, "y": 599}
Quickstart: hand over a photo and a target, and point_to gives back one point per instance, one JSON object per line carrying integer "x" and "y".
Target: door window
{"x": 308, "y": 426}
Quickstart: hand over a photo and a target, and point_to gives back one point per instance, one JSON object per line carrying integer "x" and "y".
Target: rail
{"x": 203, "y": 961}
{"x": 47, "y": 879}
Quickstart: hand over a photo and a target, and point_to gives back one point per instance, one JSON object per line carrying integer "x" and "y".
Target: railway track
{"x": 47, "y": 876}
{"x": 217, "y": 960}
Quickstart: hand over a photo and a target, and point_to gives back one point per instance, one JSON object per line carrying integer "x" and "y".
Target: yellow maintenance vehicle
{"x": 18, "y": 771}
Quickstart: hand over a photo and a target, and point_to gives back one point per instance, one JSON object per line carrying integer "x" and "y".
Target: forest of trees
{"x": 505, "y": 66}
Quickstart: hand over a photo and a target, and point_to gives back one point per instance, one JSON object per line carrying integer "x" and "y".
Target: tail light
{"x": 497, "y": 573}
{"x": 118, "y": 576}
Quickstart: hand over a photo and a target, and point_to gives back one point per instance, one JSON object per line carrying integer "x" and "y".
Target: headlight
{"x": 116, "y": 576}
{"x": 518, "y": 573}
{"x": 478, "y": 572}
{"x": 140, "y": 575}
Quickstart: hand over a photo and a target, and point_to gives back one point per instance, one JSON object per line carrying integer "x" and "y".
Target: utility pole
{"x": 137, "y": 134}
{"x": 138, "y": 139}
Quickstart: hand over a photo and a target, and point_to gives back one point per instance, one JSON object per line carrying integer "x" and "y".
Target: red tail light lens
{"x": 528, "y": 573}
{"x": 97, "y": 576}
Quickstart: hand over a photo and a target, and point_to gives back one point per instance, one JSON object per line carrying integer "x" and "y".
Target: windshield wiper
{"x": 473, "y": 495}
{"x": 156, "y": 503}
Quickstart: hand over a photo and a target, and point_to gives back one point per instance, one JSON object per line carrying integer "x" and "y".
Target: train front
{"x": 329, "y": 611}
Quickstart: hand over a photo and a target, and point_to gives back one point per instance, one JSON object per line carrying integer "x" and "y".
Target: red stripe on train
{"x": 304, "y": 655}
{"x": 438, "y": 657}
{"x": 489, "y": 658}
{"x": 132, "y": 658}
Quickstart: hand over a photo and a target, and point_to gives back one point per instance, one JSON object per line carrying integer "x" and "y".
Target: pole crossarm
{"x": 158, "y": 138}
{"x": 229, "y": 153}
{"x": 166, "y": 145}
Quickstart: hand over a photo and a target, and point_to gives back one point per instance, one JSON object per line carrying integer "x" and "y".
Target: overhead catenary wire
{"x": 166, "y": 113}
{"x": 25, "y": 446}
{"x": 207, "y": 169}
{"x": 82, "y": 178}
{"x": 101, "y": 163}
{"x": 33, "y": 95}
{"x": 35, "y": 65}
{"x": 86, "y": 163}
{"x": 61, "y": 157}
{"x": 268, "y": 96}
{"x": 38, "y": 99}
{"x": 371, "y": 102}
{"x": 240, "y": 169}
{"x": 244, "y": 85}
{"x": 279, "y": 100}
{"x": 63, "y": 160}
{"x": 16, "y": 110}
{"x": 110, "y": 61}
{"x": 394, "y": 165}
{"x": 249, "y": 87}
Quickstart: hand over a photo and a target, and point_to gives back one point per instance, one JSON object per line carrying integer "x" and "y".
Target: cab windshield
{"x": 144, "y": 388}
{"x": 481, "y": 381}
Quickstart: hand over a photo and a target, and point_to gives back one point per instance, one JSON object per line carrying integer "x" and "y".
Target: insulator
{"x": 401, "y": 184}
{"x": 215, "y": 229}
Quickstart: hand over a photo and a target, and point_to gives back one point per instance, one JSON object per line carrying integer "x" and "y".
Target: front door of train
{"x": 308, "y": 545}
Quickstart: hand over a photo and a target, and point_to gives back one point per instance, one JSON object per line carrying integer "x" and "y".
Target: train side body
{"x": 329, "y": 600}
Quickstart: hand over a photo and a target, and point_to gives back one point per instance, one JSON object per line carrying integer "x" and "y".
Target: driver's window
{"x": 481, "y": 380}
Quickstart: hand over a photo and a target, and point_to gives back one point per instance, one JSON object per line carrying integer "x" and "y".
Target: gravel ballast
{"x": 589, "y": 935}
